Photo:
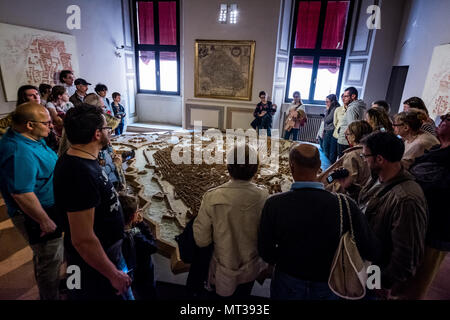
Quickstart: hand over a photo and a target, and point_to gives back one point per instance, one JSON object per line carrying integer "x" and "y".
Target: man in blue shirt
{"x": 26, "y": 184}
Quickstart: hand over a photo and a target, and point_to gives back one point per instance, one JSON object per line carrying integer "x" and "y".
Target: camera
{"x": 127, "y": 155}
{"x": 338, "y": 174}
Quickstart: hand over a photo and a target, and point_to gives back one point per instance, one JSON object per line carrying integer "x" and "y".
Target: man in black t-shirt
{"x": 89, "y": 208}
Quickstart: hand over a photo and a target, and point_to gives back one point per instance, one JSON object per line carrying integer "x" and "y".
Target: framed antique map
{"x": 33, "y": 56}
{"x": 224, "y": 69}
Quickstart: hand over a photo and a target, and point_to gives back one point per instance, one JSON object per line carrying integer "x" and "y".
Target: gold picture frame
{"x": 224, "y": 69}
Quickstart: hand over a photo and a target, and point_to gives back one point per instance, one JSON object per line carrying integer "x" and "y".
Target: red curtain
{"x": 335, "y": 22}
{"x": 167, "y": 56}
{"x": 307, "y": 23}
{"x": 167, "y": 23}
{"x": 146, "y": 28}
{"x": 333, "y": 33}
{"x": 302, "y": 62}
{"x": 146, "y": 56}
{"x": 330, "y": 63}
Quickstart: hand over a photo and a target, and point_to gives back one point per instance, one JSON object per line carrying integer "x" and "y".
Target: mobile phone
{"x": 127, "y": 155}
{"x": 338, "y": 174}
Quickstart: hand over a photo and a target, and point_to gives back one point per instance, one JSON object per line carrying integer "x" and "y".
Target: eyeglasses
{"x": 348, "y": 134}
{"x": 398, "y": 124}
{"x": 365, "y": 156}
{"x": 47, "y": 123}
{"x": 107, "y": 128}
{"x": 445, "y": 117}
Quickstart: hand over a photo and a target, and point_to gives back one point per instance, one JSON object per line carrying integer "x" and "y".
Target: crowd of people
{"x": 394, "y": 172}
{"x": 60, "y": 175}
{"x": 65, "y": 192}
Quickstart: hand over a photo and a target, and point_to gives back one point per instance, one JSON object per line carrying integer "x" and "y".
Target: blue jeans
{"x": 95, "y": 286}
{"x": 330, "y": 146}
{"x": 265, "y": 122}
{"x": 285, "y": 287}
{"x": 119, "y": 128}
{"x": 294, "y": 132}
{"x": 269, "y": 132}
{"x": 47, "y": 258}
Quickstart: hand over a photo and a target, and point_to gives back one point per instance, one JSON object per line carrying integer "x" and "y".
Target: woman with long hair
{"x": 379, "y": 119}
{"x": 295, "y": 118}
{"x": 417, "y": 103}
{"x": 57, "y": 106}
{"x": 329, "y": 142}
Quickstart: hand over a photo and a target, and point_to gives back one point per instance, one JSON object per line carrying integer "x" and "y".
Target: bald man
{"x": 300, "y": 232}
{"x": 26, "y": 184}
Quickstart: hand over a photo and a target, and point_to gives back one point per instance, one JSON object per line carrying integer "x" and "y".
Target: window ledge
{"x": 159, "y": 97}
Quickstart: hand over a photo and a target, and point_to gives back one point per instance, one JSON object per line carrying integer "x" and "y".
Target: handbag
{"x": 321, "y": 130}
{"x": 186, "y": 242}
{"x": 348, "y": 275}
{"x": 289, "y": 124}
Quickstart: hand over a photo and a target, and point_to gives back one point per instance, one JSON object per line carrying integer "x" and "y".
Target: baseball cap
{"x": 81, "y": 81}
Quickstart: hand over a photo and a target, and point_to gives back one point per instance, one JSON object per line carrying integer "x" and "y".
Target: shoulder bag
{"x": 348, "y": 275}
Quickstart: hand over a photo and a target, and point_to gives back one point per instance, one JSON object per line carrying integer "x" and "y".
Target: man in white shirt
{"x": 66, "y": 78}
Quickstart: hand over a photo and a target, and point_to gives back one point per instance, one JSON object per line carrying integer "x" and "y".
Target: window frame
{"x": 317, "y": 52}
{"x": 157, "y": 48}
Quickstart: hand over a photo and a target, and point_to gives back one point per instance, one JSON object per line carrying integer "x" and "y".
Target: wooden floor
{"x": 17, "y": 276}
{"x": 16, "y": 263}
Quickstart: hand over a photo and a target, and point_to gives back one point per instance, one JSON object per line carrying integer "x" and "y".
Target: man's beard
{"x": 104, "y": 141}
{"x": 374, "y": 172}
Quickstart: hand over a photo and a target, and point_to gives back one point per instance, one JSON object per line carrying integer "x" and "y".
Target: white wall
{"x": 425, "y": 25}
{"x": 383, "y": 50}
{"x": 162, "y": 109}
{"x": 101, "y": 29}
{"x": 257, "y": 21}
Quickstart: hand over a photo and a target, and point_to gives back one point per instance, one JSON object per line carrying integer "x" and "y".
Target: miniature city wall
{"x": 170, "y": 194}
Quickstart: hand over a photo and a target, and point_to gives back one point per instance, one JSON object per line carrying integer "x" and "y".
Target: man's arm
{"x": 88, "y": 246}
{"x": 267, "y": 246}
{"x": 30, "y": 205}
{"x": 408, "y": 242}
{"x": 354, "y": 114}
